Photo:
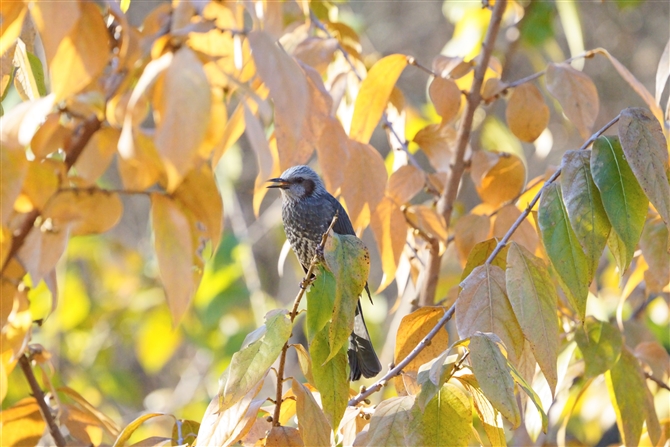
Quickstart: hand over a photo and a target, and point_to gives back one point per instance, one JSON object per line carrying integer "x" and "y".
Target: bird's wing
{"x": 343, "y": 224}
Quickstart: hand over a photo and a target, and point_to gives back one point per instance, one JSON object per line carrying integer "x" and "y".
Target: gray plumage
{"x": 307, "y": 211}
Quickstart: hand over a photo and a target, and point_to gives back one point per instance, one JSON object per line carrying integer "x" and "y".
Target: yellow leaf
{"x": 50, "y": 137}
{"x": 364, "y": 182}
{"x": 390, "y": 231}
{"x": 470, "y": 230}
{"x": 81, "y": 55}
{"x": 576, "y": 93}
{"x": 14, "y": 169}
{"x": 373, "y": 95}
{"x": 405, "y": 183}
{"x": 81, "y": 425}
{"x": 42, "y": 181}
{"x": 53, "y": 32}
{"x": 284, "y": 437}
{"x": 427, "y": 219}
{"x": 413, "y": 328}
{"x": 498, "y": 177}
{"x": 156, "y": 339}
{"x": 174, "y": 250}
{"x": 446, "y": 96}
{"x": 43, "y": 247}
{"x": 524, "y": 235}
{"x": 13, "y": 14}
{"x": 16, "y": 323}
{"x": 144, "y": 167}
{"x": 436, "y": 141}
{"x": 97, "y": 154}
{"x": 199, "y": 194}
{"x": 22, "y": 424}
{"x": 84, "y": 211}
{"x": 181, "y": 129}
{"x": 527, "y": 113}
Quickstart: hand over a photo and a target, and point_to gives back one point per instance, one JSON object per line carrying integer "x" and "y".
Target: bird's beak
{"x": 278, "y": 183}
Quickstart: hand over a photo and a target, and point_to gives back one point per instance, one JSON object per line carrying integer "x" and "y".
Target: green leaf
{"x": 349, "y": 260}
{"x": 446, "y": 420}
{"x": 600, "y": 343}
{"x": 331, "y": 377}
{"x": 320, "y": 301}
{"x": 128, "y": 431}
{"x": 623, "y": 198}
{"x": 483, "y": 306}
{"x": 391, "y": 421}
{"x": 585, "y": 208}
{"x": 646, "y": 151}
{"x": 491, "y": 370}
{"x": 632, "y": 401}
{"x": 533, "y": 297}
{"x": 480, "y": 253}
{"x": 185, "y": 431}
{"x": 563, "y": 249}
{"x": 531, "y": 393}
{"x": 432, "y": 375}
{"x": 250, "y": 364}
{"x": 488, "y": 415}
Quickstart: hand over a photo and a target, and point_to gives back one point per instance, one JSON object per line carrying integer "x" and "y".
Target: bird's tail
{"x": 362, "y": 357}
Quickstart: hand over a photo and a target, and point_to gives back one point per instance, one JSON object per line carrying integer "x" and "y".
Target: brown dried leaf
{"x": 81, "y": 55}
{"x": 181, "y": 130}
{"x": 374, "y": 94}
{"x": 316, "y": 52}
{"x": 446, "y": 96}
{"x": 364, "y": 182}
{"x": 451, "y": 67}
{"x": 527, "y": 114}
{"x": 470, "y": 230}
{"x": 405, "y": 183}
{"x": 576, "y": 93}
{"x": 524, "y": 235}
{"x": 284, "y": 437}
{"x": 483, "y": 306}
{"x": 390, "y": 231}
{"x": 436, "y": 142}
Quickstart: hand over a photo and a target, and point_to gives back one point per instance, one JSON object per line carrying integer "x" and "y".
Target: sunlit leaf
{"x": 312, "y": 423}
{"x": 632, "y": 400}
{"x": 498, "y": 177}
{"x": 490, "y": 367}
{"x": 84, "y": 211}
{"x": 13, "y": 14}
{"x": 320, "y": 301}
{"x": 657, "y": 276}
{"x": 331, "y": 377}
{"x": 250, "y": 365}
{"x": 646, "y": 151}
{"x": 14, "y": 170}
{"x": 390, "y": 230}
{"x": 524, "y": 234}
{"x": 79, "y": 58}
{"x": 405, "y": 183}
{"x": 284, "y": 437}
{"x": 82, "y": 425}
{"x": 22, "y": 424}
{"x": 480, "y": 253}
{"x": 577, "y": 95}
{"x": 446, "y": 420}
{"x": 623, "y": 198}
{"x": 527, "y": 113}
{"x": 446, "y": 97}
{"x": 563, "y": 248}
{"x": 584, "y": 205}
{"x": 533, "y": 297}
{"x": 374, "y": 94}
{"x": 364, "y": 182}
{"x": 600, "y": 343}
{"x": 97, "y": 155}
{"x": 413, "y": 328}
{"x": 483, "y": 306}
{"x": 129, "y": 429}
{"x": 348, "y": 259}
{"x": 427, "y": 219}
{"x": 488, "y": 415}
{"x": 390, "y": 423}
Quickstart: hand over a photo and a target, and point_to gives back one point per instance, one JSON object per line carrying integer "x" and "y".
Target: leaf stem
{"x": 307, "y": 280}
{"x": 38, "y": 394}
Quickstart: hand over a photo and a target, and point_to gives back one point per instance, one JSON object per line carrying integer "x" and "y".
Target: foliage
{"x": 558, "y": 284}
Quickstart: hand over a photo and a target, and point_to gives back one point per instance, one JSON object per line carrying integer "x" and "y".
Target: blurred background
{"x": 112, "y": 337}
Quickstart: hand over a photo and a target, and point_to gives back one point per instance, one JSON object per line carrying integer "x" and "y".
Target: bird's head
{"x": 298, "y": 182}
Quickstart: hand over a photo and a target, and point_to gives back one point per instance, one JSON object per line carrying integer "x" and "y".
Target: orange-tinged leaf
{"x": 232, "y": 131}
{"x": 316, "y": 52}
{"x": 199, "y": 194}
{"x": 427, "y": 219}
{"x": 42, "y": 181}
{"x": 527, "y": 113}
{"x": 22, "y": 424}
{"x": 390, "y": 423}
{"x": 446, "y": 96}
{"x": 13, "y": 15}
{"x": 524, "y": 235}
{"x": 364, "y": 182}
{"x": 333, "y": 153}
{"x": 53, "y": 32}
{"x": 576, "y": 93}
{"x": 499, "y": 177}
{"x": 436, "y": 141}
{"x": 390, "y": 231}
{"x": 81, "y": 425}
{"x": 129, "y": 429}
{"x": 97, "y": 155}
{"x": 81, "y": 55}
{"x": 174, "y": 251}
{"x": 42, "y": 249}
{"x": 288, "y": 90}
{"x": 646, "y": 151}
{"x": 144, "y": 167}
{"x": 14, "y": 169}
{"x": 373, "y": 95}
{"x": 483, "y": 306}
{"x": 470, "y": 230}
{"x": 50, "y": 137}
{"x": 84, "y": 211}
{"x": 312, "y": 423}
{"x": 284, "y": 437}
{"x": 534, "y": 300}
{"x": 657, "y": 277}
{"x": 16, "y": 323}
{"x": 181, "y": 130}
{"x": 405, "y": 183}
{"x": 632, "y": 400}
{"x": 451, "y": 67}
{"x": 413, "y": 328}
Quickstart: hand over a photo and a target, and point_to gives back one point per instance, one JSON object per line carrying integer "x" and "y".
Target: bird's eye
{"x": 299, "y": 180}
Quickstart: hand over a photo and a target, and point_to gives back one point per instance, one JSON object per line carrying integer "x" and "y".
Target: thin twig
{"x": 534, "y": 76}
{"x": 38, "y": 394}
{"x": 446, "y": 202}
{"x": 345, "y": 53}
{"x": 412, "y": 61}
{"x": 657, "y": 381}
{"x": 304, "y": 284}
{"x": 387, "y": 124}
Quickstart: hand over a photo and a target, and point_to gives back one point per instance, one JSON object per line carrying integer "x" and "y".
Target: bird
{"x": 307, "y": 212}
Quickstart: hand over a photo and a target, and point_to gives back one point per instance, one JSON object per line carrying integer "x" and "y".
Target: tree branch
{"x": 307, "y": 280}
{"x": 657, "y": 381}
{"x": 446, "y": 203}
{"x": 24, "y": 361}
